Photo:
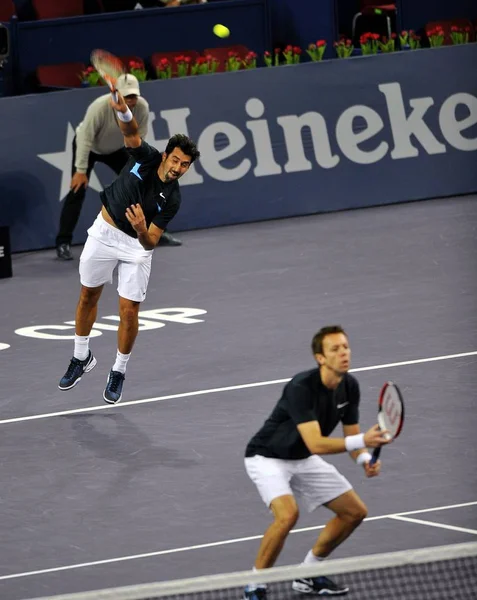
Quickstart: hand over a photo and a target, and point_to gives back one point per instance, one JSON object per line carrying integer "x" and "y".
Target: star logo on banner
{"x": 62, "y": 161}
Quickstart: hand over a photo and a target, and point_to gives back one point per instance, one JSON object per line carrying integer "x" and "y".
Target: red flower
{"x": 404, "y": 33}
{"x": 277, "y": 50}
{"x": 267, "y": 53}
{"x": 321, "y": 43}
{"x": 296, "y": 50}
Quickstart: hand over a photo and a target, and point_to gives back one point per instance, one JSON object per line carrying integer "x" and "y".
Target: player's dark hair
{"x": 317, "y": 341}
{"x": 188, "y": 147}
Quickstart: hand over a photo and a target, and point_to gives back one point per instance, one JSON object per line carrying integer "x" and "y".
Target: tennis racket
{"x": 110, "y": 67}
{"x": 390, "y": 414}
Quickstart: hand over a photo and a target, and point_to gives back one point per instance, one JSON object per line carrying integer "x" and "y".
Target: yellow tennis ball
{"x": 221, "y": 31}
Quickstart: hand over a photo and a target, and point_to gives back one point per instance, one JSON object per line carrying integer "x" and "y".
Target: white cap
{"x": 127, "y": 85}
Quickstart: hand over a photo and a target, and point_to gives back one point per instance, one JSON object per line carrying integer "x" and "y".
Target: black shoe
{"x": 113, "y": 391}
{"x": 75, "y": 371}
{"x": 63, "y": 252}
{"x": 259, "y": 593}
{"x": 167, "y": 239}
{"x": 320, "y": 586}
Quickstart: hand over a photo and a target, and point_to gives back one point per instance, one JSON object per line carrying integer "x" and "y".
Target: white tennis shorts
{"x": 311, "y": 480}
{"x": 107, "y": 248}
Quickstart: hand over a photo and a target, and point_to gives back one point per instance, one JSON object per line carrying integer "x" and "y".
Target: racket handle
{"x": 114, "y": 95}
{"x": 374, "y": 458}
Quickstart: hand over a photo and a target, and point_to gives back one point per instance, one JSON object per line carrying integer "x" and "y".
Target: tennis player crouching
{"x": 283, "y": 459}
{"x": 137, "y": 208}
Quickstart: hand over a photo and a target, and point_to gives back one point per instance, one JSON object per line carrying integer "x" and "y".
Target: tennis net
{"x": 438, "y": 573}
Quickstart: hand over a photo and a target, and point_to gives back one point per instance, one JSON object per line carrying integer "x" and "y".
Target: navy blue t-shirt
{"x": 138, "y": 183}
{"x": 305, "y": 399}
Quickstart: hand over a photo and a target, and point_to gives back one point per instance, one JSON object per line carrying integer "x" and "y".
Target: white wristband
{"x": 355, "y": 442}
{"x": 364, "y": 457}
{"x": 125, "y": 117}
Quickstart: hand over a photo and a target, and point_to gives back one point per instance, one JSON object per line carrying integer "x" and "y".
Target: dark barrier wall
{"x": 141, "y": 32}
{"x": 275, "y": 142}
{"x": 301, "y": 22}
{"x": 414, "y": 14}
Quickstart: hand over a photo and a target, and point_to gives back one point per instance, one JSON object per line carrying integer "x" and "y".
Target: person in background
{"x": 99, "y": 139}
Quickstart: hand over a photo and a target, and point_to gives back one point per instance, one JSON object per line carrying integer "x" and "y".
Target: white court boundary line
{"x": 434, "y": 524}
{"x": 230, "y": 388}
{"x": 210, "y": 545}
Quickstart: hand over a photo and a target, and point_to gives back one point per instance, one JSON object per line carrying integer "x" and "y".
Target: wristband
{"x": 355, "y": 442}
{"x": 125, "y": 117}
{"x": 364, "y": 457}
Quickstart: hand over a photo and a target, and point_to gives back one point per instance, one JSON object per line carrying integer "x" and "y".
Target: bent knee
{"x": 128, "y": 311}
{"x": 356, "y": 514}
{"x": 287, "y": 519}
{"x": 90, "y": 295}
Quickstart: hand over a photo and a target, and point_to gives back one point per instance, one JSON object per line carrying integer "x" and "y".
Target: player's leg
{"x": 71, "y": 210}
{"x": 285, "y": 515}
{"x": 97, "y": 263}
{"x": 272, "y": 478}
{"x": 133, "y": 277}
{"x": 319, "y": 483}
{"x": 350, "y": 511}
{"x": 127, "y": 333}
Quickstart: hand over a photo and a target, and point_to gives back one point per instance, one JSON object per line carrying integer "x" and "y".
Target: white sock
{"x": 81, "y": 347}
{"x": 310, "y": 558}
{"x": 121, "y": 362}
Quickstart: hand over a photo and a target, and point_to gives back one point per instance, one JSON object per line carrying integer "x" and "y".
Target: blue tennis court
{"x": 94, "y": 496}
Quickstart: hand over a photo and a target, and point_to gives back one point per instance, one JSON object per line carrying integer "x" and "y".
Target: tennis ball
{"x": 221, "y": 31}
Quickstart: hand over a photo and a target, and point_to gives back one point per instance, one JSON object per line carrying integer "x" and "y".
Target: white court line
{"x": 434, "y": 524}
{"x": 221, "y": 389}
{"x": 208, "y": 545}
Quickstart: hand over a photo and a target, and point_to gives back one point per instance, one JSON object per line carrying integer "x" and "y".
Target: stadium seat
{"x": 53, "y": 9}
{"x": 447, "y": 25}
{"x": 7, "y": 10}
{"x": 66, "y": 75}
{"x": 373, "y": 9}
{"x": 222, "y": 54}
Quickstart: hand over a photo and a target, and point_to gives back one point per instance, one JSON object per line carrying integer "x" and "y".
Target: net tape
{"x": 465, "y": 553}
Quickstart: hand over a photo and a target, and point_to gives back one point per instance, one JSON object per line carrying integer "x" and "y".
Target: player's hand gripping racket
{"x": 390, "y": 414}
{"x": 110, "y": 67}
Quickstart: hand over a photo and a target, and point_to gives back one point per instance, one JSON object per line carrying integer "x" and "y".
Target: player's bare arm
{"x": 129, "y": 129}
{"x": 370, "y": 470}
{"x": 319, "y": 444}
{"x": 148, "y": 238}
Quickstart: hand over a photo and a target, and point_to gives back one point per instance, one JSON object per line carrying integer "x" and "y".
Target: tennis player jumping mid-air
{"x": 284, "y": 459}
{"x": 137, "y": 208}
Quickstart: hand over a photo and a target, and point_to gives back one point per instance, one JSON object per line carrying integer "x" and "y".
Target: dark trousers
{"x": 74, "y": 200}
